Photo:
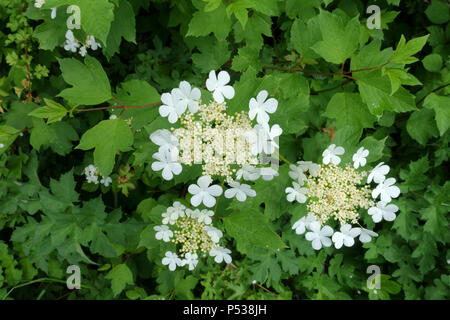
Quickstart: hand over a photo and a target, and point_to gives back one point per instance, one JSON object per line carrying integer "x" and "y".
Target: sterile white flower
{"x": 378, "y": 173}
{"x": 268, "y": 174}
{"x": 90, "y": 42}
{"x": 296, "y": 193}
{"x": 106, "y": 181}
{"x": 112, "y": 117}
{"x": 218, "y": 86}
{"x": 191, "y": 259}
{"x": 248, "y": 172}
{"x": 186, "y": 98}
{"x": 214, "y": 233}
{"x": 386, "y": 190}
{"x": 240, "y": 191}
{"x": 169, "y": 107}
{"x": 82, "y": 51}
{"x": 313, "y": 168}
{"x": 331, "y": 154}
{"x": 297, "y": 173}
{"x": 172, "y": 260}
{"x": 53, "y": 14}
{"x": 173, "y": 213}
{"x": 163, "y": 233}
{"x": 204, "y": 216}
{"x": 359, "y": 158}
{"x": 166, "y": 141}
{"x": 303, "y": 223}
{"x": 39, "y": 3}
{"x": 220, "y": 254}
{"x": 167, "y": 164}
{"x": 319, "y": 236}
{"x": 383, "y": 211}
{"x": 259, "y": 107}
{"x": 70, "y": 44}
{"x": 262, "y": 138}
{"x": 346, "y": 236}
{"x": 366, "y": 235}
{"x": 203, "y": 192}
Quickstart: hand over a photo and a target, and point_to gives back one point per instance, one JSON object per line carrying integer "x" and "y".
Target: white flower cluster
{"x": 72, "y": 44}
{"x": 192, "y": 234}
{"x": 92, "y": 174}
{"x": 335, "y": 193}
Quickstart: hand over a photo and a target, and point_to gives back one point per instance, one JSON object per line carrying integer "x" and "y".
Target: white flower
{"x": 53, "y": 14}
{"x": 296, "y": 193}
{"x": 214, "y": 233}
{"x": 259, "y": 107}
{"x": 262, "y": 138}
{"x": 248, "y": 172}
{"x": 2, "y": 145}
{"x": 383, "y": 211}
{"x": 203, "y": 192}
{"x": 378, "y": 173}
{"x": 167, "y": 164}
{"x": 163, "y": 233}
{"x": 313, "y": 168}
{"x": 346, "y": 236}
{"x": 169, "y": 107}
{"x": 191, "y": 259}
{"x": 39, "y": 3}
{"x": 319, "y": 236}
{"x": 359, "y": 158}
{"x": 303, "y": 223}
{"x": 71, "y": 44}
{"x": 90, "y": 42}
{"x": 186, "y": 98}
{"x": 173, "y": 213}
{"x": 172, "y": 260}
{"x": 205, "y": 216}
{"x": 267, "y": 174}
{"x": 366, "y": 235}
{"x": 218, "y": 86}
{"x": 331, "y": 154}
{"x": 220, "y": 254}
{"x": 296, "y": 173}
{"x": 91, "y": 174}
{"x": 106, "y": 181}
{"x": 166, "y": 141}
{"x": 82, "y": 51}
{"x": 240, "y": 191}
{"x": 112, "y": 117}
{"x": 386, "y": 190}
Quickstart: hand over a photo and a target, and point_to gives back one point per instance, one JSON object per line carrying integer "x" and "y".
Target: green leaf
{"x": 348, "y": 109}
{"x": 251, "y": 229}
{"x": 340, "y": 39}
{"x": 432, "y": 62}
{"x": 216, "y": 21}
{"x": 52, "y": 112}
{"x": 64, "y": 188}
{"x": 90, "y": 84}
{"x": 120, "y": 276}
{"x": 440, "y": 105}
{"x": 247, "y": 56}
{"x": 436, "y": 223}
{"x": 304, "y": 36}
{"x": 107, "y": 137}
{"x": 404, "y": 51}
{"x": 421, "y": 125}
{"x": 213, "y": 54}
{"x": 257, "y": 26}
{"x": 438, "y": 12}
{"x": 7, "y": 136}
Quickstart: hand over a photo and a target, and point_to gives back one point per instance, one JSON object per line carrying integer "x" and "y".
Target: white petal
{"x": 223, "y": 78}
{"x": 197, "y": 199}
{"x": 228, "y": 92}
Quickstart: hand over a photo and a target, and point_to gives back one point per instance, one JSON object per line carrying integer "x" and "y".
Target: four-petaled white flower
{"x": 220, "y": 254}
{"x": 383, "y": 211}
{"x": 203, "y": 192}
{"x": 248, "y": 172}
{"x": 191, "y": 259}
{"x": 167, "y": 164}
{"x": 331, "y": 154}
{"x": 173, "y": 213}
{"x": 303, "y": 223}
{"x": 319, "y": 236}
{"x": 386, "y": 190}
{"x": 267, "y": 174}
{"x": 240, "y": 191}
{"x": 259, "y": 107}
{"x": 218, "y": 85}
{"x": 346, "y": 236}
{"x": 106, "y": 181}
{"x": 359, "y": 158}
{"x": 71, "y": 44}
{"x": 378, "y": 174}
{"x": 186, "y": 98}
{"x": 204, "y": 216}
{"x": 366, "y": 235}
{"x": 313, "y": 168}
{"x": 214, "y": 233}
{"x": 171, "y": 259}
{"x": 163, "y": 233}
{"x": 262, "y": 138}
{"x": 166, "y": 141}
{"x": 296, "y": 193}
{"x": 169, "y": 107}
{"x": 297, "y": 173}
{"x": 90, "y": 42}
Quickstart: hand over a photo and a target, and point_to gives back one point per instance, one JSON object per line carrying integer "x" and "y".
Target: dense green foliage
{"x": 335, "y": 80}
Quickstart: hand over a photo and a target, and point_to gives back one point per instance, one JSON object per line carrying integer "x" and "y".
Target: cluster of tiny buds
{"x": 92, "y": 176}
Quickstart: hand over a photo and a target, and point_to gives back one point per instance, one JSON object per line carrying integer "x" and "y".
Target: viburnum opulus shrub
{"x": 224, "y": 149}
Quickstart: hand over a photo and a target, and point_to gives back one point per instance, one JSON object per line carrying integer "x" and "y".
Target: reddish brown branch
{"x": 120, "y": 107}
